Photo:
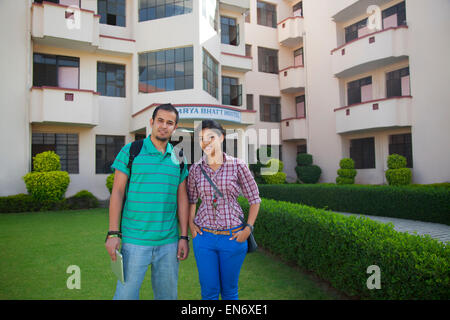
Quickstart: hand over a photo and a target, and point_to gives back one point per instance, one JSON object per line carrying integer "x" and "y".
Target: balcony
{"x": 294, "y": 129}
{"x": 235, "y": 5}
{"x": 120, "y": 46}
{"x": 63, "y": 26}
{"x": 292, "y": 79}
{"x": 376, "y": 114}
{"x": 372, "y": 51}
{"x": 290, "y": 31}
{"x": 236, "y": 62}
{"x": 64, "y": 106}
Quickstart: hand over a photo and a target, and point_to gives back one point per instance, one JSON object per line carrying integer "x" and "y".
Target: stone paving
{"x": 437, "y": 231}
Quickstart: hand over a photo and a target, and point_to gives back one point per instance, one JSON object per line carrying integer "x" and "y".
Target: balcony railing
{"x": 235, "y": 5}
{"x": 294, "y": 129}
{"x": 236, "y": 62}
{"x": 292, "y": 79}
{"x": 64, "y": 25}
{"x": 371, "y": 51}
{"x": 375, "y": 114}
{"x": 290, "y": 31}
{"x": 64, "y": 106}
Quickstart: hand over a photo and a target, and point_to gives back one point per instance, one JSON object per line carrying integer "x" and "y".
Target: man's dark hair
{"x": 166, "y": 107}
{"x": 209, "y": 124}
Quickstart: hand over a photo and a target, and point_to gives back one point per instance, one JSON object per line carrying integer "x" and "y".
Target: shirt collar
{"x": 151, "y": 149}
{"x": 226, "y": 159}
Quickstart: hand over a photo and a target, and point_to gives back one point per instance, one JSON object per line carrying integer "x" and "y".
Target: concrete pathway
{"x": 437, "y": 231}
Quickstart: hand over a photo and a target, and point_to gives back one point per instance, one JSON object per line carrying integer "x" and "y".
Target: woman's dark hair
{"x": 166, "y": 107}
{"x": 209, "y": 124}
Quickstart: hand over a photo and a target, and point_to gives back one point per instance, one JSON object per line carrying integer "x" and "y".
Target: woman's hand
{"x": 194, "y": 230}
{"x": 242, "y": 235}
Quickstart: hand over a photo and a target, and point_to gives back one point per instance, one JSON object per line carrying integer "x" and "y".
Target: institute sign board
{"x": 208, "y": 112}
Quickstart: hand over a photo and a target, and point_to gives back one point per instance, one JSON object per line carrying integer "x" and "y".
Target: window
{"x": 269, "y": 109}
{"x": 397, "y": 83}
{"x": 267, "y": 14}
{"x": 63, "y": 144}
{"x": 300, "y": 106}
{"x": 229, "y": 31}
{"x": 55, "y": 71}
{"x": 158, "y": 9}
{"x": 356, "y": 30}
{"x": 106, "y": 150}
{"x": 362, "y": 151}
{"x": 210, "y": 75}
{"x": 111, "y": 79}
{"x": 301, "y": 148}
{"x": 267, "y": 60}
{"x": 298, "y": 57}
{"x": 249, "y": 101}
{"x": 298, "y": 9}
{"x": 394, "y": 16}
{"x": 402, "y": 144}
{"x": 359, "y": 90}
{"x": 231, "y": 91}
{"x": 112, "y": 12}
{"x": 166, "y": 70}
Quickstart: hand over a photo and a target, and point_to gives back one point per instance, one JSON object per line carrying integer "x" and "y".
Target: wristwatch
{"x": 250, "y": 226}
{"x": 113, "y": 234}
{"x": 184, "y": 237}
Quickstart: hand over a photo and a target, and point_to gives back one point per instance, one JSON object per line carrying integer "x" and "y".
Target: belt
{"x": 223, "y": 232}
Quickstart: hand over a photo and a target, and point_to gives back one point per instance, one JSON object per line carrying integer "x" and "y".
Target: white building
{"x": 327, "y": 77}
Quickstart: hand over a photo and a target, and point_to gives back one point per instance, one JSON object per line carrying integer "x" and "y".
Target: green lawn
{"x": 37, "y": 248}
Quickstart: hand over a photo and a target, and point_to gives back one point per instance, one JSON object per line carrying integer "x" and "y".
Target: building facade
{"x": 333, "y": 78}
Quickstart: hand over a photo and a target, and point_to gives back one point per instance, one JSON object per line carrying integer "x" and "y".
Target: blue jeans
{"x": 164, "y": 269}
{"x": 219, "y": 262}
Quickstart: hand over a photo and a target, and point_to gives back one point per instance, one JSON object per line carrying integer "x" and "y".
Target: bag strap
{"x": 135, "y": 149}
{"x": 210, "y": 181}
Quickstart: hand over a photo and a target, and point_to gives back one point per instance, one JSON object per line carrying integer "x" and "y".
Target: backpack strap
{"x": 135, "y": 149}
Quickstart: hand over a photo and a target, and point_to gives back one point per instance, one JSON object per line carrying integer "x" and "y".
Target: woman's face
{"x": 210, "y": 141}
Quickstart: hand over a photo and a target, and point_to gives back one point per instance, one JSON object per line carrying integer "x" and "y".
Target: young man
{"x": 156, "y": 190}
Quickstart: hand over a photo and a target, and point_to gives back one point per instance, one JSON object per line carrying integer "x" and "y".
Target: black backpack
{"x": 135, "y": 149}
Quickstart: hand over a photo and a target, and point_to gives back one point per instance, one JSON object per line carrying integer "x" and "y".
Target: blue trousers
{"x": 164, "y": 268}
{"x": 219, "y": 261}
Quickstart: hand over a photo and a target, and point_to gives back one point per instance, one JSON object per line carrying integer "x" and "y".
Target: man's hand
{"x": 111, "y": 245}
{"x": 242, "y": 235}
{"x": 183, "y": 249}
{"x": 194, "y": 230}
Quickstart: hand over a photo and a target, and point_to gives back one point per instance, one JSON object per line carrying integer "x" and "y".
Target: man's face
{"x": 164, "y": 125}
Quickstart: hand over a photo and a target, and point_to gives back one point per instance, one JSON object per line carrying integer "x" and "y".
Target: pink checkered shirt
{"x": 231, "y": 178}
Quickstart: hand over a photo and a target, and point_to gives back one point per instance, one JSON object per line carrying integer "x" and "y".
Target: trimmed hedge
{"x": 339, "y": 249}
{"x": 26, "y": 203}
{"x": 431, "y": 204}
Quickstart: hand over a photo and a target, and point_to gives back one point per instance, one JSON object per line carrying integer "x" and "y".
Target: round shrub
{"x": 274, "y": 165}
{"x": 110, "y": 182}
{"x": 344, "y": 180}
{"x": 347, "y": 163}
{"x": 82, "y": 200}
{"x": 308, "y": 174}
{"x": 47, "y": 186}
{"x": 399, "y": 177}
{"x": 396, "y": 161}
{"x": 46, "y": 161}
{"x": 276, "y": 178}
{"x": 347, "y": 173}
{"x": 304, "y": 159}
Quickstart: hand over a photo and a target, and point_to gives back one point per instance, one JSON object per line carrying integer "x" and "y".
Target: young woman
{"x": 219, "y": 235}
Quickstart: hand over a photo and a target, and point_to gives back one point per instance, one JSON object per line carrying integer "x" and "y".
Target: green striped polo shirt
{"x": 150, "y": 211}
